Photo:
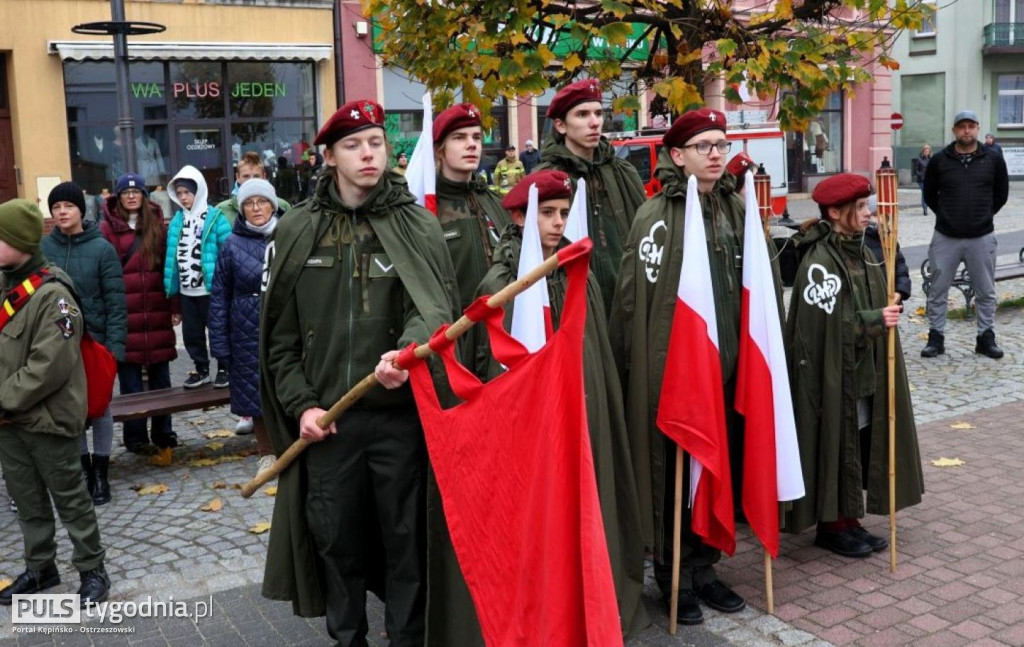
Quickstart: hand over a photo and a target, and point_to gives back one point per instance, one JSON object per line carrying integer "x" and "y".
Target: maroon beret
{"x": 550, "y": 186}
{"x": 841, "y": 189}
{"x": 572, "y": 95}
{"x": 740, "y": 164}
{"x": 350, "y": 118}
{"x": 458, "y": 116}
{"x": 693, "y": 123}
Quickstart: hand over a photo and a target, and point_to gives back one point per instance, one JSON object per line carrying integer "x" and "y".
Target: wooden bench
{"x": 962, "y": 280}
{"x": 166, "y": 401}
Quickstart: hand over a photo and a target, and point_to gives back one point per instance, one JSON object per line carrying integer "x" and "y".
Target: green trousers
{"x": 38, "y": 467}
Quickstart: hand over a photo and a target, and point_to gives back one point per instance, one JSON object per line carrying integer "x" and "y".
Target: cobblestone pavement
{"x": 960, "y": 580}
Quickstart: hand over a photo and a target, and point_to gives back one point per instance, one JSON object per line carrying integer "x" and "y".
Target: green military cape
{"x": 821, "y": 367}
{"x": 639, "y": 337}
{"x": 609, "y": 180}
{"x": 609, "y": 436}
{"x": 412, "y": 239}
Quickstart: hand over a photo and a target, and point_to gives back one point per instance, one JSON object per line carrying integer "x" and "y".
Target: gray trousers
{"x": 979, "y": 255}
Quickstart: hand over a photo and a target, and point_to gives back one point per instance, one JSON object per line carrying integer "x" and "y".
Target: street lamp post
{"x": 120, "y": 29}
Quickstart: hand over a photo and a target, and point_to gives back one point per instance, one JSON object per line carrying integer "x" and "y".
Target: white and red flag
{"x": 576, "y": 226}
{"x": 771, "y": 465}
{"x": 421, "y": 173}
{"x": 531, "y": 312}
{"x": 692, "y": 405}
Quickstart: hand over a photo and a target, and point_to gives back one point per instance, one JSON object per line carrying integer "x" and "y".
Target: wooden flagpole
{"x": 677, "y": 524}
{"x": 888, "y": 230}
{"x": 769, "y": 590}
{"x": 456, "y": 330}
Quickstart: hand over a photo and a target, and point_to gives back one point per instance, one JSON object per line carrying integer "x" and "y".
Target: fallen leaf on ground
{"x": 260, "y": 528}
{"x": 219, "y": 485}
{"x": 220, "y": 433}
{"x": 158, "y": 488}
{"x": 960, "y": 424}
{"x": 214, "y": 446}
{"x": 920, "y": 311}
{"x": 271, "y": 491}
{"x": 213, "y": 506}
{"x": 197, "y": 422}
{"x": 164, "y": 458}
{"x": 4, "y": 583}
{"x": 948, "y": 462}
{"x": 923, "y": 336}
{"x": 203, "y": 462}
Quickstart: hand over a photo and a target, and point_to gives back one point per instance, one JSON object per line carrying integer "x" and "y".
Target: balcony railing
{"x": 1004, "y": 35}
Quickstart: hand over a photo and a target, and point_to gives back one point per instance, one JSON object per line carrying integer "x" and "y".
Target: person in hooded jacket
{"x": 614, "y": 188}
{"x": 873, "y": 241}
{"x": 837, "y": 344}
{"x": 136, "y": 228}
{"x": 194, "y": 239}
{"x": 78, "y": 248}
{"x": 235, "y": 304}
{"x": 470, "y": 213}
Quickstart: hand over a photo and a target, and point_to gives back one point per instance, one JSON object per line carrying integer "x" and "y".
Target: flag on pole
{"x": 576, "y": 227}
{"x": 692, "y": 405}
{"x": 771, "y": 465}
{"x": 421, "y": 174}
{"x": 531, "y": 312}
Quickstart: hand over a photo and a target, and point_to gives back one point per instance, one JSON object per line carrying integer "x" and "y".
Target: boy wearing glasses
{"x": 614, "y": 189}
{"x": 645, "y": 300}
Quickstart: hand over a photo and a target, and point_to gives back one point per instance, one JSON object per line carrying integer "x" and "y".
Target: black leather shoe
{"x": 987, "y": 345}
{"x": 689, "y": 612}
{"x": 95, "y": 586}
{"x": 101, "y": 492}
{"x": 936, "y": 344}
{"x": 878, "y": 544}
{"x": 843, "y": 543}
{"x": 720, "y": 597}
{"x": 31, "y": 582}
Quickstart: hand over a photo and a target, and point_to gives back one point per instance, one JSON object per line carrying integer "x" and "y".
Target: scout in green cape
{"x": 835, "y": 333}
{"x": 641, "y": 322}
{"x": 355, "y": 273}
{"x": 609, "y": 439}
{"x": 469, "y": 212}
{"x": 614, "y": 189}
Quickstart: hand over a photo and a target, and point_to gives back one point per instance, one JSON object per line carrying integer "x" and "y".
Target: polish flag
{"x": 576, "y": 226}
{"x": 692, "y": 406}
{"x": 421, "y": 174}
{"x": 531, "y": 311}
{"x": 771, "y": 465}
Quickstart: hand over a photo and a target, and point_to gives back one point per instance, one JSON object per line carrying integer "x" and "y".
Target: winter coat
{"x": 825, "y": 335}
{"x": 42, "y": 381}
{"x": 614, "y": 193}
{"x": 966, "y": 196}
{"x": 609, "y": 436}
{"x": 216, "y": 230}
{"x": 95, "y": 268}
{"x": 235, "y": 315}
{"x": 874, "y": 242}
{"x": 918, "y": 167}
{"x": 151, "y": 338}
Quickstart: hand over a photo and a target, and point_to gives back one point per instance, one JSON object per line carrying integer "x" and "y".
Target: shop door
{"x": 202, "y": 146}
{"x": 8, "y": 181}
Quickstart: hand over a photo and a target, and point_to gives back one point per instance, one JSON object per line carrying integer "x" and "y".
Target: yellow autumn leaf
{"x": 960, "y": 424}
{"x": 271, "y": 491}
{"x": 214, "y": 446}
{"x": 230, "y": 458}
{"x": 571, "y": 62}
{"x": 197, "y": 422}
{"x": 220, "y": 433}
{"x": 260, "y": 528}
{"x": 203, "y": 462}
{"x": 213, "y": 506}
{"x": 923, "y": 336}
{"x": 164, "y": 458}
{"x": 948, "y": 462}
{"x": 158, "y": 488}
{"x": 920, "y": 312}
{"x": 4, "y": 583}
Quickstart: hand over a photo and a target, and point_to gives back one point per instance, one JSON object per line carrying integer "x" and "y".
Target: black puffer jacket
{"x": 873, "y": 241}
{"x": 966, "y": 196}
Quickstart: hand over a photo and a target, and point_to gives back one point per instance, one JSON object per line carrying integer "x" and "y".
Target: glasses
{"x": 131, "y": 193}
{"x": 256, "y": 202}
{"x": 704, "y": 148}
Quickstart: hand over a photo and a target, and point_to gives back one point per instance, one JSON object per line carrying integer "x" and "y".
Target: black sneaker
{"x": 221, "y": 381}
{"x": 987, "y": 345}
{"x": 196, "y": 379}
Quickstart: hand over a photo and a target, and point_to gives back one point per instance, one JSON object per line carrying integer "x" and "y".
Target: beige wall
{"x": 36, "y": 78}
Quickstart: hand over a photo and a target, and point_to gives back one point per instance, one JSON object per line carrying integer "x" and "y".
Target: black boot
{"x": 95, "y": 586}
{"x": 987, "y": 345}
{"x": 90, "y": 474}
{"x": 101, "y": 494}
{"x": 31, "y": 582}
{"x": 936, "y": 344}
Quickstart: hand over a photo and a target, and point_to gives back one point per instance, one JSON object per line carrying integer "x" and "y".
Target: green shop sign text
{"x": 244, "y": 89}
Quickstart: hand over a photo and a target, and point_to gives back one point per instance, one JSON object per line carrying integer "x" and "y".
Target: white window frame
{"x": 1012, "y": 93}
{"x": 922, "y": 33}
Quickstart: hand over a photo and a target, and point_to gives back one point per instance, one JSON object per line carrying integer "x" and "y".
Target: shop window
{"x": 280, "y": 90}
{"x": 1011, "y": 100}
{"x": 197, "y": 89}
{"x": 823, "y": 139}
{"x": 90, "y": 91}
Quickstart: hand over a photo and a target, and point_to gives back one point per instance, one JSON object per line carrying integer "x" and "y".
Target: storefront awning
{"x": 81, "y": 50}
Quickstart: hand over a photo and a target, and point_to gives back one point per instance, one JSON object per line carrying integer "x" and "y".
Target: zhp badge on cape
{"x": 822, "y": 287}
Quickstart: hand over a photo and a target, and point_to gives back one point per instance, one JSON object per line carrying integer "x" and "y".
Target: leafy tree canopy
{"x": 797, "y": 51}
